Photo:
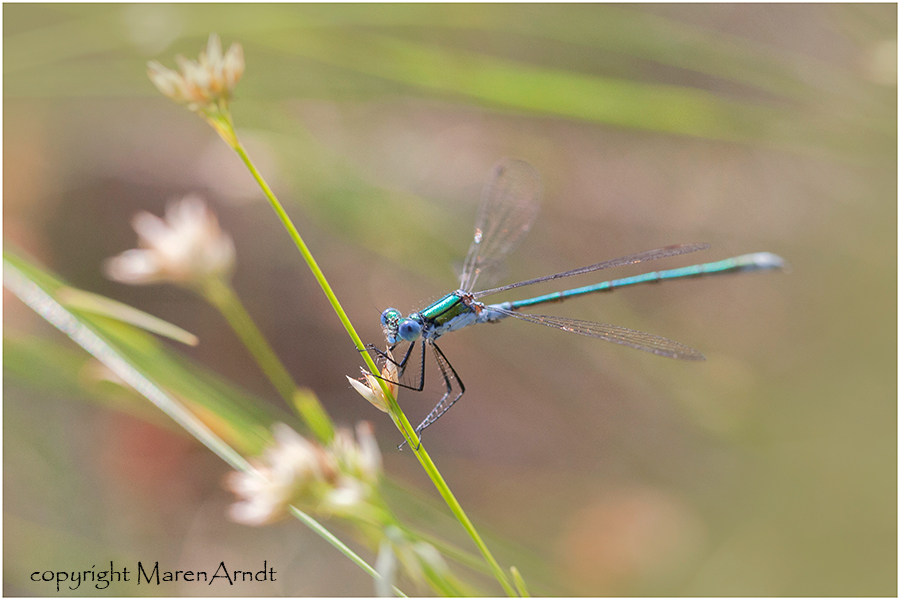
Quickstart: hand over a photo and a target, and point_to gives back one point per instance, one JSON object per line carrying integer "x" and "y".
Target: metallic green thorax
{"x": 445, "y": 309}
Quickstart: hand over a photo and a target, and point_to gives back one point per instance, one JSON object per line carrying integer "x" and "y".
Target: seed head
{"x": 204, "y": 85}
{"x": 338, "y": 479}
{"x": 370, "y": 389}
{"x": 186, "y": 248}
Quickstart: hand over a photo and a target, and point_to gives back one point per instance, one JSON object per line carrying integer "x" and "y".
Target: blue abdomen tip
{"x": 767, "y": 260}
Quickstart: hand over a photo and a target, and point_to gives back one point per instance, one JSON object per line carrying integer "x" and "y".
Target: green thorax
{"x": 445, "y": 309}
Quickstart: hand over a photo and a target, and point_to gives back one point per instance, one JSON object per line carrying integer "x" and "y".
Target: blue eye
{"x": 409, "y": 330}
{"x": 389, "y": 316}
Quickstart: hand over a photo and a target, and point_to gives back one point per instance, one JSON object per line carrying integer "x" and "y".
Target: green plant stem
{"x": 454, "y": 553}
{"x": 431, "y": 469}
{"x": 520, "y": 583}
{"x": 341, "y": 546}
{"x": 221, "y": 295}
{"x": 397, "y": 415}
{"x": 301, "y": 245}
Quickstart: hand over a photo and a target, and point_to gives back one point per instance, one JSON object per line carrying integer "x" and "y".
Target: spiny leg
{"x": 447, "y": 371}
{"x": 382, "y": 356}
{"x": 401, "y": 366}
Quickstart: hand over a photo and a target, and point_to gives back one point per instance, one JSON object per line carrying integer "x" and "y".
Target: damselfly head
{"x": 397, "y": 329}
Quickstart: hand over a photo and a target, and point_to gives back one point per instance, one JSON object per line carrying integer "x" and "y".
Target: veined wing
{"x": 612, "y": 333}
{"x": 509, "y": 205}
{"x": 631, "y": 259}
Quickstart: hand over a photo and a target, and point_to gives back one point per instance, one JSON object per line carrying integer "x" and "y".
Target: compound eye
{"x": 409, "y": 330}
{"x": 391, "y": 315}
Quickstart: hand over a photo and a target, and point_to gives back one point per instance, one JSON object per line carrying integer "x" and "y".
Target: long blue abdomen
{"x": 760, "y": 261}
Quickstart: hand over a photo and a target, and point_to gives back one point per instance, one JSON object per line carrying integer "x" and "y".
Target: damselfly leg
{"x": 419, "y": 384}
{"x": 449, "y": 375}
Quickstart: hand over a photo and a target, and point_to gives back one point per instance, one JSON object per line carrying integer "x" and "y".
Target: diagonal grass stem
{"x": 396, "y": 413}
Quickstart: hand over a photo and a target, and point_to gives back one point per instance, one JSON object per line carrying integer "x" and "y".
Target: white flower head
{"x": 358, "y": 467}
{"x": 346, "y": 497}
{"x": 285, "y": 474}
{"x": 187, "y": 247}
{"x": 358, "y": 458}
{"x": 369, "y": 388}
{"x": 203, "y": 84}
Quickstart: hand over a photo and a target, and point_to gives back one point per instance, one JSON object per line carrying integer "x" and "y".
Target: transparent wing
{"x": 612, "y": 333}
{"x": 509, "y": 205}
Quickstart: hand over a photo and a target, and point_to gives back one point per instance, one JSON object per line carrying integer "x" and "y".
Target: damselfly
{"x": 509, "y": 205}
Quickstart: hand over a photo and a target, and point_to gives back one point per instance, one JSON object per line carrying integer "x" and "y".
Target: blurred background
{"x": 770, "y": 469}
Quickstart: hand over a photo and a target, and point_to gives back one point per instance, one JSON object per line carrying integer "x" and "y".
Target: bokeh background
{"x": 770, "y": 469}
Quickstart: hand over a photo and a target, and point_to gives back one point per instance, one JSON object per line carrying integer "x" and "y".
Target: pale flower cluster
{"x": 337, "y": 479}
{"x": 204, "y": 83}
{"x": 187, "y": 247}
{"x": 284, "y": 471}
